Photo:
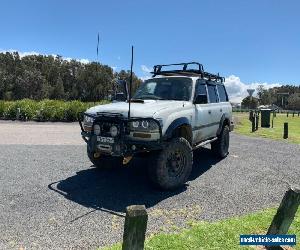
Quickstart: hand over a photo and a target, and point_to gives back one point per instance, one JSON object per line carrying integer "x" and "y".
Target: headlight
{"x": 114, "y": 131}
{"x": 97, "y": 129}
{"x": 88, "y": 119}
{"x": 87, "y": 123}
{"x": 135, "y": 124}
{"x": 144, "y": 125}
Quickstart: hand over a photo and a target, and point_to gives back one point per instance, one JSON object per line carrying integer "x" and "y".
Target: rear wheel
{"x": 221, "y": 145}
{"x": 105, "y": 161}
{"x": 171, "y": 167}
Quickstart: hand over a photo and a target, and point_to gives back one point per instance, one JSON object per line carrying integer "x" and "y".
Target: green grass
{"x": 44, "y": 110}
{"x": 243, "y": 126}
{"x": 217, "y": 235}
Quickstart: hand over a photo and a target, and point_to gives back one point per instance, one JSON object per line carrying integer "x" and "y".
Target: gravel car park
{"x": 51, "y": 196}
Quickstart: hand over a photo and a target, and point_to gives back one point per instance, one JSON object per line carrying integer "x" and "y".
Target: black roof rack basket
{"x": 199, "y": 71}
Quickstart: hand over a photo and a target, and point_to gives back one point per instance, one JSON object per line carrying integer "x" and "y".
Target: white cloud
{"x": 237, "y": 90}
{"x": 145, "y": 69}
{"x": 144, "y": 78}
{"x": 28, "y": 53}
{"x": 114, "y": 68}
{"x": 21, "y": 54}
{"x": 147, "y": 73}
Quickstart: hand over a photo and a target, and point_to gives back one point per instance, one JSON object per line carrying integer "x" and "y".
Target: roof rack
{"x": 157, "y": 70}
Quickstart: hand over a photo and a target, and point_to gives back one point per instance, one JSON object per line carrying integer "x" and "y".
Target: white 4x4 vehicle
{"x": 168, "y": 117}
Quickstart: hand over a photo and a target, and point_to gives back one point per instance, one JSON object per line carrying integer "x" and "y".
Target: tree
{"x": 264, "y": 95}
{"x": 39, "y": 76}
{"x": 294, "y": 101}
{"x": 250, "y": 102}
{"x": 58, "y": 91}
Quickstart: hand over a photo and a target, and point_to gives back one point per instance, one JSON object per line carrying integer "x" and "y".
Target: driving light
{"x": 97, "y": 129}
{"x": 114, "y": 131}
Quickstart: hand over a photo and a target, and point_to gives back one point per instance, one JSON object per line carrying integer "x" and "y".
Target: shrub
{"x": 45, "y": 110}
{"x": 73, "y": 109}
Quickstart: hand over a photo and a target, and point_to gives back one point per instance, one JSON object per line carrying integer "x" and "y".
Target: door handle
{"x": 209, "y": 111}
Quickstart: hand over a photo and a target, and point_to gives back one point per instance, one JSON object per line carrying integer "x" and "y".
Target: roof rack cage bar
{"x": 157, "y": 70}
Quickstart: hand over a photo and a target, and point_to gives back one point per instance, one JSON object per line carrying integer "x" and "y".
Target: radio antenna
{"x": 98, "y": 38}
{"x": 130, "y": 83}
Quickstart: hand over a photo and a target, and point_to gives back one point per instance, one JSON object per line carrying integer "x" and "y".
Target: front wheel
{"x": 171, "y": 167}
{"x": 104, "y": 161}
{"x": 221, "y": 145}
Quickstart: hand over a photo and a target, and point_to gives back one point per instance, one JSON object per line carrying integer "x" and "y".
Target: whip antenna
{"x": 98, "y": 46}
{"x": 130, "y": 83}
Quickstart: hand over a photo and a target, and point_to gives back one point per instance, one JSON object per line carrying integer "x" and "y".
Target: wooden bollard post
{"x": 273, "y": 122}
{"x": 286, "y": 212}
{"x": 287, "y": 114}
{"x": 253, "y": 124}
{"x": 18, "y": 114}
{"x": 286, "y": 130}
{"x": 250, "y": 115}
{"x": 293, "y": 114}
{"x": 256, "y": 121}
{"x": 135, "y": 228}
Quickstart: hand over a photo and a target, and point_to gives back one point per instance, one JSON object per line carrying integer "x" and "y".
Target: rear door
{"x": 215, "y": 107}
{"x": 225, "y": 106}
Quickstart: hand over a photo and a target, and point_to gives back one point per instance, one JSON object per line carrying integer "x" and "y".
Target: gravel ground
{"x": 52, "y": 198}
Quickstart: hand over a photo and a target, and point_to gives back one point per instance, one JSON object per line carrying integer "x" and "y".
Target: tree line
{"x": 51, "y": 77}
{"x": 285, "y": 97}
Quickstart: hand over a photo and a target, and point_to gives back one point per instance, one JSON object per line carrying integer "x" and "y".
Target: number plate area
{"x": 106, "y": 140}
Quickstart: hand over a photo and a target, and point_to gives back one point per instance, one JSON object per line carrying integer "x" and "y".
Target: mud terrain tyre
{"x": 171, "y": 167}
{"x": 221, "y": 145}
{"x": 105, "y": 161}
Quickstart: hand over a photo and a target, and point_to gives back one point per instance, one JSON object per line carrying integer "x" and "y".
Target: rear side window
{"x": 222, "y": 93}
{"x": 201, "y": 89}
{"x": 212, "y": 93}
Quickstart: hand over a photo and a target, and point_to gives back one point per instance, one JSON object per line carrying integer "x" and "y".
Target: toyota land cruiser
{"x": 169, "y": 116}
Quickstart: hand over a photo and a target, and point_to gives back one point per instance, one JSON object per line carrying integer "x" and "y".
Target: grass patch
{"x": 217, "y": 235}
{"x": 45, "y": 110}
{"x": 243, "y": 126}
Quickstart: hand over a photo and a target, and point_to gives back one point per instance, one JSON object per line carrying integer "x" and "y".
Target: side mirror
{"x": 201, "y": 99}
{"x": 124, "y": 87}
{"x": 120, "y": 97}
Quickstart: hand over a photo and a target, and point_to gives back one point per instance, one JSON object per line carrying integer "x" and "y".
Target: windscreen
{"x": 172, "y": 88}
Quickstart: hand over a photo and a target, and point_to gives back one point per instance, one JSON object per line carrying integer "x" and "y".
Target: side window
{"x": 201, "y": 89}
{"x": 222, "y": 93}
{"x": 212, "y": 93}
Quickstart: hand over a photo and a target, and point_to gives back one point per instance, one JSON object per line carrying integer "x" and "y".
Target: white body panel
{"x": 204, "y": 118}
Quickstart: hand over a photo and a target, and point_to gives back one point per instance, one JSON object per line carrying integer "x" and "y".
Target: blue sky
{"x": 251, "y": 41}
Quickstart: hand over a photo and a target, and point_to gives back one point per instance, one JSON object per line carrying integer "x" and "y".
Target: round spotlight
{"x": 114, "y": 131}
{"x": 145, "y": 124}
{"x": 135, "y": 124}
{"x": 97, "y": 129}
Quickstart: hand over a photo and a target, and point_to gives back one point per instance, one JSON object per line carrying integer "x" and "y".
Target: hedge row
{"x": 45, "y": 110}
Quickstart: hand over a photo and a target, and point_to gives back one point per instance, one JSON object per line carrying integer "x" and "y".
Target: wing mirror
{"x": 120, "y": 92}
{"x": 123, "y": 85}
{"x": 201, "y": 99}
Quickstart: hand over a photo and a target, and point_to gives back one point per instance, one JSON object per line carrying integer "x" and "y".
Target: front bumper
{"x": 123, "y": 145}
